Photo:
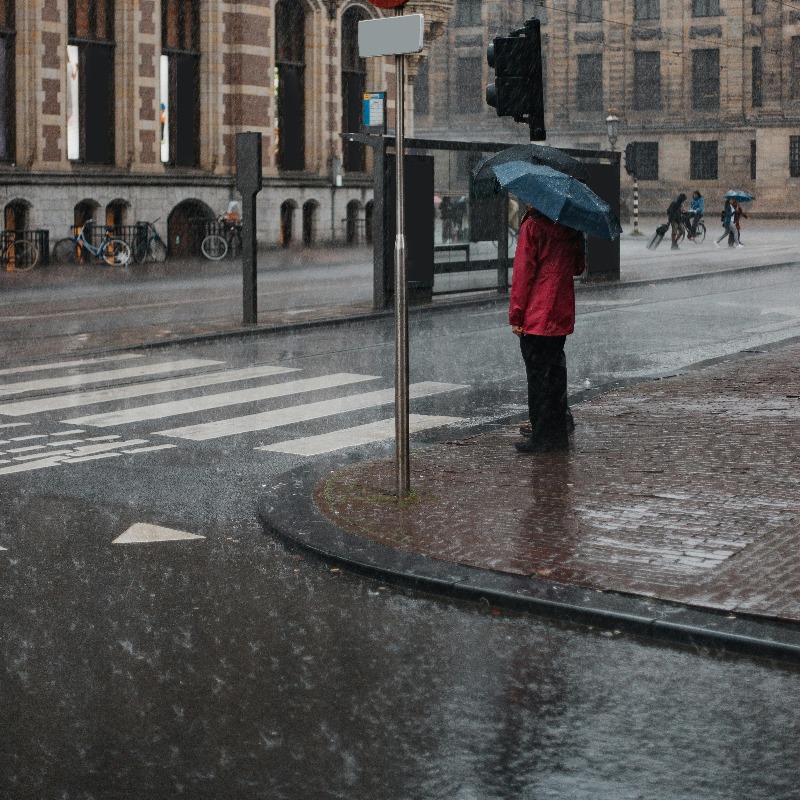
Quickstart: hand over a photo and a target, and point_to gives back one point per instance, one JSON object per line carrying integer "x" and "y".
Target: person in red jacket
{"x": 542, "y": 315}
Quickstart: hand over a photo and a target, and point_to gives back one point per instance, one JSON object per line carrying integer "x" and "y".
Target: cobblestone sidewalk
{"x": 685, "y": 489}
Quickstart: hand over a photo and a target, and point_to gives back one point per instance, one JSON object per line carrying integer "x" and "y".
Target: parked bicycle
{"x": 147, "y": 244}
{"x": 686, "y": 228}
{"x": 227, "y": 242}
{"x": 18, "y": 254}
{"x": 78, "y": 249}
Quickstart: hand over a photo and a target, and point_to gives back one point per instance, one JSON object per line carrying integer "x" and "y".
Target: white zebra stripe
{"x": 20, "y": 408}
{"x": 206, "y": 402}
{"x": 351, "y": 437}
{"x": 302, "y": 413}
{"x": 105, "y": 375}
{"x": 64, "y": 364}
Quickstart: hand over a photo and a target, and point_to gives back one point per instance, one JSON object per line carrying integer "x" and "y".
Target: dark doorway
{"x": 186, "y": 228}
{"x": 287, "y": 222}
{"x": 310, "y": 209}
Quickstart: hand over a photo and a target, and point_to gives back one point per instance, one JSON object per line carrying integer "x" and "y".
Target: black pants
{"x": 546, "y": 370}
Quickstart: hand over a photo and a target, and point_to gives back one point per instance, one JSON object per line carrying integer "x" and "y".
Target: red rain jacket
{"x": 542, "y": 292}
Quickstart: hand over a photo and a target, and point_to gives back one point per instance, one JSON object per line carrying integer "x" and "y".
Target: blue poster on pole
{"x": 375, "y": 111}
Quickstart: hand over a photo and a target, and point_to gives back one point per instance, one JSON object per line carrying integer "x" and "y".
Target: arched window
{"x": 180, "y": 82}
{"x": 83, "y": 212}
{"x": 310, "y": 209}
{"x": 7, "y": 93}
{"x": 354, "y": 84}
{"x": 287, "y": 222}
{"x": 289, "y": 84}
{"x": 352, "y": 222}
{"x": 90, "y": 81}
{"x": 15, "y": 216}
{"x": 115, "y": 215}
{"x": 368, "y": 220}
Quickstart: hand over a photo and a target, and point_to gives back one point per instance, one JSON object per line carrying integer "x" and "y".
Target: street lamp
{"x": 612, "y": 124}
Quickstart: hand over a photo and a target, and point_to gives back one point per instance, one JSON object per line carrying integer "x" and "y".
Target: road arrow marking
{"x": 792, "y": 312}
{"x": 144, "y": 532}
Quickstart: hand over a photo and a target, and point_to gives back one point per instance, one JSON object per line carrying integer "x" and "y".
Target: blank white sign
{"x": 390, "y": 36}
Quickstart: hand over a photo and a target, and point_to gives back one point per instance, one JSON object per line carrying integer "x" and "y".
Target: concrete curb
{"x": 288, "y": 513}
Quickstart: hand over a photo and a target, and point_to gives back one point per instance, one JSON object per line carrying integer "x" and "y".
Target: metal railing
{"x": 39, "y": 236}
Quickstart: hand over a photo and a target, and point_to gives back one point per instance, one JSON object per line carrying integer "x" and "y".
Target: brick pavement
{"x": 685, "y": 489}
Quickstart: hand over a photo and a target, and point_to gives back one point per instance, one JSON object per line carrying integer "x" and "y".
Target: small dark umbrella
{"x": 560, "y": 197}
{"x": 533, "y": 154}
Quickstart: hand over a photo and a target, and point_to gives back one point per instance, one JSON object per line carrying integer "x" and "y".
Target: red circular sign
{"x": 388, "y": 3}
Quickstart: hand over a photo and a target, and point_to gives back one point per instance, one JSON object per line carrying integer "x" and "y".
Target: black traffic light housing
{"x": 518, "y": 89}
{"x": 630, "y": 158}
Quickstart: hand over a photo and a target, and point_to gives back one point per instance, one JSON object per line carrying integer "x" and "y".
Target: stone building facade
{"x": 708, "y": 89}
{"x": 126, "y": 110}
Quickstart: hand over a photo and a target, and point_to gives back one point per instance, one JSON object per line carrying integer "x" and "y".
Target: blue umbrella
{"x": 559, "y": 197}
{"x": 740, "y": 196}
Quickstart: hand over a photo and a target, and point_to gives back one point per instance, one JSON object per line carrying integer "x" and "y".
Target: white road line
{"x": 25, "y": 449}
{"x": 301, "y": 413}
{"x": 29, "y": 466}
{"x": 19, "y": 408}
{"x": 13, "y": 424}
{"x": 83, "y": 378}
{"x": 64, "y": 364}
{"x": 28, "y": 438}
{"x": 69, "y": 456}
{"x": 151, "y": 448}
{"x": 90, "y": 458}
{"x": 65, "y": 433}
{"x": 358, "y": 435}
{"x": 50, "y": 454}
{"x": 103, "y": 438}
{"x": 205, "y": 402}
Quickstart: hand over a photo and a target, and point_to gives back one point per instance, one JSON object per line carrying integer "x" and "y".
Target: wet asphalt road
{"x": 230, "y": 667}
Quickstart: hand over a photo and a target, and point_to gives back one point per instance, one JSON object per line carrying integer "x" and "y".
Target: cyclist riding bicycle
{"x": 697, "y": 207}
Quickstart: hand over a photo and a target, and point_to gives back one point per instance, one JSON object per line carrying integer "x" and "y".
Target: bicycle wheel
{"x": 22, "y": 255}
{"x": 214, "y": 247}
{"x": 700, "y": 233}
{"x": 65, "y": 252}
{"x": 116, "y": 253}
{"x": 157, "y": 250}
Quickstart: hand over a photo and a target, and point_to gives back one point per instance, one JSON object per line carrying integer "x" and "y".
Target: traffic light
{"x": 518, "y": 89}
{"x": 630, "y": 158}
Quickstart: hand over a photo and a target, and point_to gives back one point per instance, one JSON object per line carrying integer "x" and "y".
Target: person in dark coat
{"x": 542, "y": 314}
{"x": 729, "y": 223}
{"x": 674, "y": 213}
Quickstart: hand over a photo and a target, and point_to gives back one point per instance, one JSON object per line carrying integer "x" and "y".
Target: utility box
{"x": 418, "y": 174}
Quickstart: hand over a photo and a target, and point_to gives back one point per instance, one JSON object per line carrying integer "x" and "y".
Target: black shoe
{"x": 526, "y": 429}
{"x": 530, "y": 446}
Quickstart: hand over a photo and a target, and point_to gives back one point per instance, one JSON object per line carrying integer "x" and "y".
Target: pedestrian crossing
{"x": 55, "y": 409}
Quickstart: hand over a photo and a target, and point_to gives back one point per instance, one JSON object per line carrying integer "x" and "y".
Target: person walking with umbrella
{"x": 729, "y": 223}
{"x": 542, "y": 315}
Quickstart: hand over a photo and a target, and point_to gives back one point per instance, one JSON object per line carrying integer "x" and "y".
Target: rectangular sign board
{"x": 390, "y": 36}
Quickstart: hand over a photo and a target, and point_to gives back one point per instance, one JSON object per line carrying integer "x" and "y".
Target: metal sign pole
{"x": 401, "y": 294}
{"x": 397, "y": 36}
